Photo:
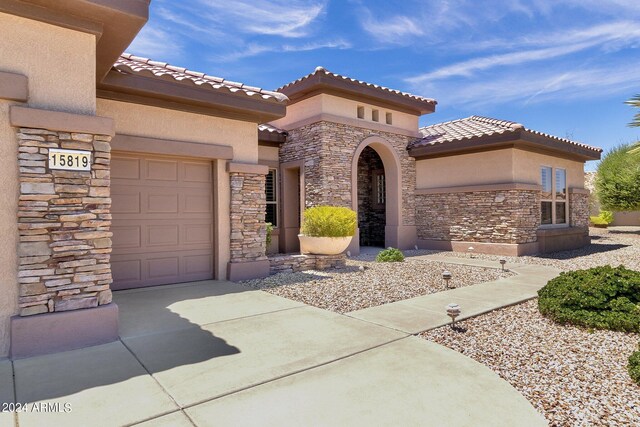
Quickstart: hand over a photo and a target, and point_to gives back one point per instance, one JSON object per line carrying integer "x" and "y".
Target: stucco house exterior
{"x": 122, "y": 172}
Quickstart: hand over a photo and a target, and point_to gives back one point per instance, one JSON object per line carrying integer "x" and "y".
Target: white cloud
{"x": 256, "y": 49}
{"x": 155, "y": 42}
{"x": 397, "y": 29}
{"x": 535, "y": 85}
{"x": 608, "y": 37}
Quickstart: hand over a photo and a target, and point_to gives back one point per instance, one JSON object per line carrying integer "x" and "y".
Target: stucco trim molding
{"x": 140, "y": 144}
{"x": 359, "y": 123}
{"x": 505, "y": 249}
{"x": 477, "y": 188}
{"x": 58, "y": 121}
{"x": 247, "y": 168}
{"x": 14, "y": 87}
{"x": 579, "y": 191}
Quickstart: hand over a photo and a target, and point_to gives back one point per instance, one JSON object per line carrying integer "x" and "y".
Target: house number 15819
{"x": 69, "y": 159}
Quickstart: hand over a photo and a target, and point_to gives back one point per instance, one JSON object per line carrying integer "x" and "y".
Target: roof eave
{"x": 327, "y": 83}
{"x": 115, "y": 23}
{"x": 271, "y": 136}
{"x": 515, "y": 139}
{"x": 186, "y": 97}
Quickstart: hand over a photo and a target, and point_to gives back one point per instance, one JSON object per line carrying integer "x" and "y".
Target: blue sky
{"x": 562, "y": 67}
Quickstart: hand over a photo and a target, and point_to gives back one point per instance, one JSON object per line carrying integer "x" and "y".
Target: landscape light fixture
{"x": 446, "y": 276}
{"x": 453, "y": 311}
{"x": 470, "y": 249}
{"x": 503, "y": 262}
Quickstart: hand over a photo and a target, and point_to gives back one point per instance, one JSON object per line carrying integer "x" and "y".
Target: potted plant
{"x": 327, "y": 230}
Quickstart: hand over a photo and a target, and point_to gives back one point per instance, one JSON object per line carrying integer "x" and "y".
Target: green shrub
{"x": 329, "y": 221}
{"x": 634, "y": 366}
{"x": 606, "y": 216}
{"x": 390, "y": 255}
{"x": 269, "y": 233}
{"x": 602, "y": 297}
{"x": 618, "y": 180}
{"x": 603, "y": 218}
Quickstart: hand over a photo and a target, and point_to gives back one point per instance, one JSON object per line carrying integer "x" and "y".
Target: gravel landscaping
{"x": 349, "y": 289}
{"x": 574, "y": 376}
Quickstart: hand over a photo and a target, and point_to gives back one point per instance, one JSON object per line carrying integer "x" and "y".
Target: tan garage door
{"x": 162, "y": 220}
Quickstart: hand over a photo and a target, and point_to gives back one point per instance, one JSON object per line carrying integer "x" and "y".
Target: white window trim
{"x": 553, "y": 200}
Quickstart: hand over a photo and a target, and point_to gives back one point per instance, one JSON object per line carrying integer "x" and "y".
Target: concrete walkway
{"x": 217, "y": 354}
{"x": 427, "y": 312}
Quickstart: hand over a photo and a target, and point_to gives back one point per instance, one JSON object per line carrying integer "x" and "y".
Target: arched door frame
{"x": 393, "y": 186}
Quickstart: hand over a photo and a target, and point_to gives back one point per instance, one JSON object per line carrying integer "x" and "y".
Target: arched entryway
{"x": 372, "y": 195}
{"x": 376, "y": 194}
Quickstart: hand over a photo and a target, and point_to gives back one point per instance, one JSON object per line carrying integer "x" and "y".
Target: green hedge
{"x": 601, "y": 297}
{"x": 329, "y": 221}
{"x": 390, "y": 255}
{"x": 634, "y": 366}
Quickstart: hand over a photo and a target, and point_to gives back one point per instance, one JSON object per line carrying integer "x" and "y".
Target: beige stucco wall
{"x": 347, "y": 108}
{"x": 489, "y": 167}
{"x": 526, "y": 167}
{"x": 59, "y": 63}
{"x": 8, "y": 226}
{"x": 269, "y": 154}
{"x": 154, "y": 122}
{"x": 493, "y": 167}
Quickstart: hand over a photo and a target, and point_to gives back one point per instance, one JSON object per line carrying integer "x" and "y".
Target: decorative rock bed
{"x": 574, "y": 376}
{"x": 348, "y": 289}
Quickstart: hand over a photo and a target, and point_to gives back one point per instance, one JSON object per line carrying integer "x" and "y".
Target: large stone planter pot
{"x": 323, "y": 245}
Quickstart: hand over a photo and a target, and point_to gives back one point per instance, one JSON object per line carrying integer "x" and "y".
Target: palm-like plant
{"x": 635, "y": 102}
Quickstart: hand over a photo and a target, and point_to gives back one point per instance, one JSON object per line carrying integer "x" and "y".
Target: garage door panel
{"x": 158, "y": 202}
{"x": 162, "y": 222}
{"x": 197, "y": 172}
{"x": 197, "y": 264}
{"x": 126, "y": 270}
{"x": 163, "y": 235}
{"x": 124, "y": 201}
{"x": 126, "y": 237}
{"x": 198, "y": 234}
{"x": 162, "y": 170}
{"x": 125, "y": 167}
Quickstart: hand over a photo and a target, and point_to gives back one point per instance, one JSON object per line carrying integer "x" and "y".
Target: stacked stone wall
{"x": 511, "y": 216}
{"x": 64, "y": 220}
{"x": 327, "y": 150}
{"x": 248, "y": 207}
{"x": 579, "y": 210}
{"x": 295, "y": 263}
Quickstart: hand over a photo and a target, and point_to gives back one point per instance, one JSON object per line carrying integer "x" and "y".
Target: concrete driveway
{"x": 216, "y": 354}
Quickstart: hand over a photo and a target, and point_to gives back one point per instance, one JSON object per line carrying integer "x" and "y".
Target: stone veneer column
{"x": 248, "y": 228}
{"x": 63, "y": 220}
{"x": 579, "y": 208}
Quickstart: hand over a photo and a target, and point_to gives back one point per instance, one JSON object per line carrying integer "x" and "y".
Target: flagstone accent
{"x": 248, "y": 208}
{"x": 64, "y": 220}
{"x": 501, "y": 216}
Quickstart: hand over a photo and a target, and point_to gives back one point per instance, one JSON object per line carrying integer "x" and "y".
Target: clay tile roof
{"x": 128, "y": 63}
{"x": 321, "y": 72}
{"x": 474, "y": 127}
{"x": 271, "y": 129}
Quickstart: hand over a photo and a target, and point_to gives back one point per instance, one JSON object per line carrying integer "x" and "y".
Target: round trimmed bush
{"x": 601, "y": 297}
{"x": 390, "y": 255}
{"x": 329, "y": 221}
{"x": 634, "y": 366}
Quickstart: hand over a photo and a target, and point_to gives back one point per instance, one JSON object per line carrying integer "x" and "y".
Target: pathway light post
{"x": 446, "y": 276}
